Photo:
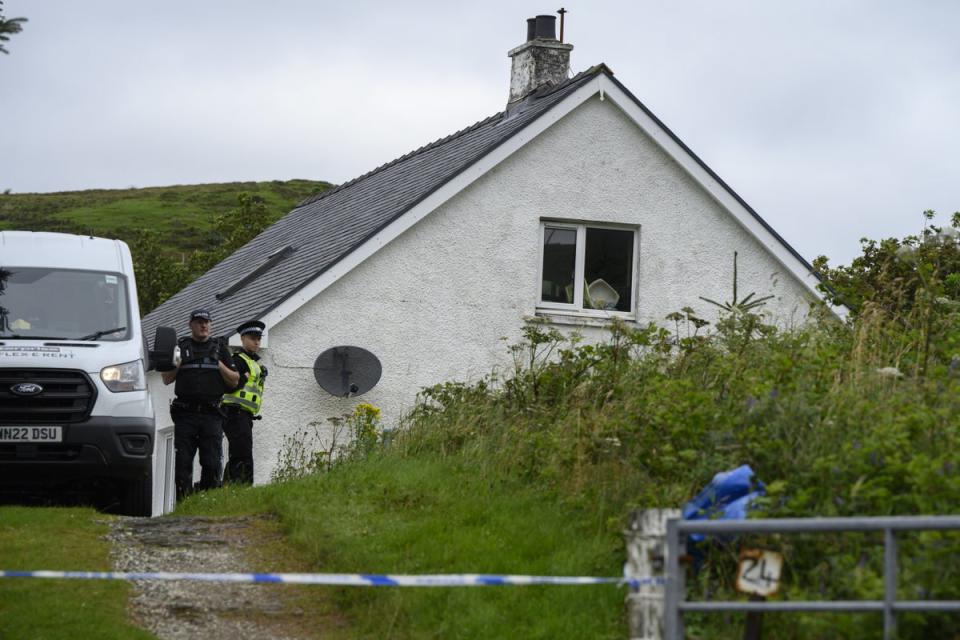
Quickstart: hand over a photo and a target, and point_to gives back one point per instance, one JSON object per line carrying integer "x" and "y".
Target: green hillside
{"x": 183, "y": 215}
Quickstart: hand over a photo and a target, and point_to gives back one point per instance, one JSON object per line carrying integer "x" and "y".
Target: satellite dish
{"x": 347, "y": 371}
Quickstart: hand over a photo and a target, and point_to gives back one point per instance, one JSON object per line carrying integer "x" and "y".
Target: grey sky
{"x": 834, "y": 119}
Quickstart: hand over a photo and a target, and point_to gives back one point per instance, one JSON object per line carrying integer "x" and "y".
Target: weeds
{"x": 317, "y": 450}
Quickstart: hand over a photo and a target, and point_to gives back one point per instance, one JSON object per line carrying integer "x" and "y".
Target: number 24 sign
{"x": 759, "y": 572}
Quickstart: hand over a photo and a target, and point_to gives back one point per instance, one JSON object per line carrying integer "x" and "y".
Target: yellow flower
{"x": 366, "y": 410}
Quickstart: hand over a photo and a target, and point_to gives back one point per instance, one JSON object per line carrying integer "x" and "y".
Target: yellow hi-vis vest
{"x": 250, "y": 396}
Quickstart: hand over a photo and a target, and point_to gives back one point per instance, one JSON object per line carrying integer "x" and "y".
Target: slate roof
{"x": 325, "y": 228}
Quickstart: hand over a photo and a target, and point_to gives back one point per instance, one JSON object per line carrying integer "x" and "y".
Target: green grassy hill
{"x": 183, "y": 214}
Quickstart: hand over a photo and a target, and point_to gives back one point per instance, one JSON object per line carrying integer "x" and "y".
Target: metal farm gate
{"x": 676, "y": 603}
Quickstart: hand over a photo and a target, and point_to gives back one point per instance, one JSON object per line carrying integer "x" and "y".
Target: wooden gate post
{"x": 645, "y": 538}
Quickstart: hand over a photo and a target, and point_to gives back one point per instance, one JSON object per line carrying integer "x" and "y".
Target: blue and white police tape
{"x": 342, "y": 579}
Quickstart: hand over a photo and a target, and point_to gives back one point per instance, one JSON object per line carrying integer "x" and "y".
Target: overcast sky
{"x": 834, "y": 119}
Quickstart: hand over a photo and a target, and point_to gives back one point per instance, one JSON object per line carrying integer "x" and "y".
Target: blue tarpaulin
{"x": 727, "y": 497}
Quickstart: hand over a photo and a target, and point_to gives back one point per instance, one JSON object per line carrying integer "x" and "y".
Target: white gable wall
{"x": 444, "y": 299}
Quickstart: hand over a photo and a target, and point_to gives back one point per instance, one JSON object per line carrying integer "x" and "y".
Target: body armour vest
{"x": 250, "y": 396}
{"x": 199, "y": 375}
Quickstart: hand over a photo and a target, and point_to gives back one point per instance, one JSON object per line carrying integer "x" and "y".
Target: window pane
{"x": 559, "y": 264}
{"x": 63, "y": 303}
{"x": 608, "y": 270}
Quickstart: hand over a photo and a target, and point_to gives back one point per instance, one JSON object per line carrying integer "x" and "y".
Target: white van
{"x": 75, "y": 412}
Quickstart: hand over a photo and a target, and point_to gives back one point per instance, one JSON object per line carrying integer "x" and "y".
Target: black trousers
{"x": 192, "y": 431}
{"x": 238, "y": 427}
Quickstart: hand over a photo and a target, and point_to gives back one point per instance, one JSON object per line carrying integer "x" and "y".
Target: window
{"x": 64, "y": 304}
{"x": 587, "y": 267}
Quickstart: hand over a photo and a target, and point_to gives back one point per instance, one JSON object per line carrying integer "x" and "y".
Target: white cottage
{"x": 574, "y": 205}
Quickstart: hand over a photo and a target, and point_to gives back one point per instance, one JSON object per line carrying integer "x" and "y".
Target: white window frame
{"x": 576, "y": 308}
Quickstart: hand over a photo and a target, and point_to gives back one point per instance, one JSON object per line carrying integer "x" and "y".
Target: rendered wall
{"x": 445, "y": 299}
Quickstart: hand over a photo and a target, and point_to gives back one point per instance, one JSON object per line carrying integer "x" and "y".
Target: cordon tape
{"x": 343, "y": 579}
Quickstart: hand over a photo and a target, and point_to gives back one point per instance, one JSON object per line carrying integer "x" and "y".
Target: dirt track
{"x": 180, "y": 610}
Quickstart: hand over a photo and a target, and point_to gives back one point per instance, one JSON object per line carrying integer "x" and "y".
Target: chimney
{"x": 540, "y": 61}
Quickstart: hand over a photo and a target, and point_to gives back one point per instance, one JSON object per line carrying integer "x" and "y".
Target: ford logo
{"x": 26, "y": 389}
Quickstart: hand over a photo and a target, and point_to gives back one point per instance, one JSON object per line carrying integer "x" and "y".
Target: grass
{"x": 390, "y": 515}
{"x": 182, "y": 214}
{"x": 69, "y": 539}
{"x": 303, "y": 614}
{"x": 382, "y": 515}
{"x": 73, "y": 539}
{"x": 442, "y": 516}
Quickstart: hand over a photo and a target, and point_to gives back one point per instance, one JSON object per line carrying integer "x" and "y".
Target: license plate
{"x": 38, "y": 433}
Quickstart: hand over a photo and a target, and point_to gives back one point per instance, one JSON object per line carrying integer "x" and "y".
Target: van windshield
{"x": 66, "y": 304}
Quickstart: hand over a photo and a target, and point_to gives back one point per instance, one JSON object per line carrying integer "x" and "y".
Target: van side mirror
{"x": 164, "y": 344}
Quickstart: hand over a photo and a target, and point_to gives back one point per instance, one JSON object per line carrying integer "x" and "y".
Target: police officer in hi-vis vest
{"x": 206, "y": 371}
{"x": 243, "y": 405}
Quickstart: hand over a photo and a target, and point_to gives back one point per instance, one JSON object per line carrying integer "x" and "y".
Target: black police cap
{"x": 253, "y": 326}
{"x": 202, "y": 314}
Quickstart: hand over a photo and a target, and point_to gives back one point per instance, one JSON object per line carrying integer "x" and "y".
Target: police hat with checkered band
{"x": 253, "y": 327}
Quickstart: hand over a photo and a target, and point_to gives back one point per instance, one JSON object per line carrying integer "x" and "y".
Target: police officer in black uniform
{"x": 204, "y": 374}
{"x": 242, "y": 406}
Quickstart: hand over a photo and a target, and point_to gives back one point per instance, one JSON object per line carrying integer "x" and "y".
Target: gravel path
{"x": 181, "y": 610}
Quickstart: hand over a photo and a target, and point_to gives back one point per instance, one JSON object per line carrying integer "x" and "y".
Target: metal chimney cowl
{"x": 541, "y": 60}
